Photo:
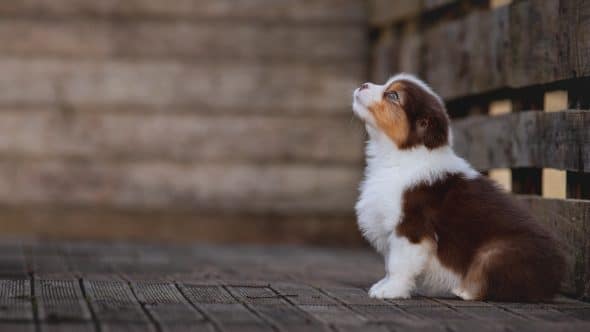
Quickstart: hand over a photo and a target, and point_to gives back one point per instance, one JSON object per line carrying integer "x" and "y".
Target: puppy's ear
{"x": 434, "y": 129}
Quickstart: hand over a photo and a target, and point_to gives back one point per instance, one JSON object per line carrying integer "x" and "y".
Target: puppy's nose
{"x": 364, "y": 86}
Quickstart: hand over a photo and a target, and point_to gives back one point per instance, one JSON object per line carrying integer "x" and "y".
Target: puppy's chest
{"x": 380, "y": 205}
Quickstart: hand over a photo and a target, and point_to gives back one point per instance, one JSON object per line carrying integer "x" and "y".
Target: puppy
{"x": 441, "y": 226}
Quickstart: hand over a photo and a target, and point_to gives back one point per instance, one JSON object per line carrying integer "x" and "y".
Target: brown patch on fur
{"x": 392, "y": 120}
{"x": 485, "y": 237}
{"x": 418, "y": 118}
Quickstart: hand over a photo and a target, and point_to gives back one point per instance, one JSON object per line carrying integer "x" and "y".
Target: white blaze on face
{"x": 363, "y": 97}
{"x": 369, "y": 93}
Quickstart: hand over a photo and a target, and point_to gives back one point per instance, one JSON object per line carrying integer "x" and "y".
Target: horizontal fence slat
{"x": 558, "y": 140}
{"x": 433, "y": 4}
{"x": 387, "y": 11}
{"x": 525, "y": 43}
{"x": 569, "y": 221}
{"x": 292, "y": 10}
{"x": 254, "y": 187}
{"x": 265, "y": 87}
{"x": 130, "y": 136}
{"x": 383, "y": 12}
{"x": 173, "y": 224}
{"x": 187, "y": 40}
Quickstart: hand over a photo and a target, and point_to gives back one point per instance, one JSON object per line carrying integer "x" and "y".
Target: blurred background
{"x": 216, "y": 120}
{"x": 230, "y": 120}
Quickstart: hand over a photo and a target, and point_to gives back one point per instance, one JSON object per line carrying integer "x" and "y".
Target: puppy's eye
{"x": 392, "y": 96}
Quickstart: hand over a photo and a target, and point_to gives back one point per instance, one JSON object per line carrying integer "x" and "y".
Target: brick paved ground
{"x": 123, "y": 287}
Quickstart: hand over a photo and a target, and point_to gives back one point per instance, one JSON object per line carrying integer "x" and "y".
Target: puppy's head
{"x": 406, "y": 110}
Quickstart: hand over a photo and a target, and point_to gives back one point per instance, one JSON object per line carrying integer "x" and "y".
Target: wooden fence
{"x": 214, "y": 120}
{"x": 514, "y": 75}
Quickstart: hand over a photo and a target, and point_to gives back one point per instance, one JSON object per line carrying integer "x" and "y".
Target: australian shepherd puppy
{"x": 441, "y": 226}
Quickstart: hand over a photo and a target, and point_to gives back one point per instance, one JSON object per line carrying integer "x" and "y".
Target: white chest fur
{"x": 389, "y": 173}
{"x": 379, "y": 206}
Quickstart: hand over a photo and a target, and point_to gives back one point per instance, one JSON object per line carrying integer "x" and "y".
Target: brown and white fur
{"x": 441, "y": 226}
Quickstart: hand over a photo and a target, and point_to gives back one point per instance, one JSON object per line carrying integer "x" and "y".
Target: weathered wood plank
{"x": 333, "y": 314}
{"x": 166, "y": 304}
{"x": 489, "y": 313}
{"x": 372, "y": 310}
{"x": 256, "y": 306}
{"x": 383, "y": 12}
{"x": 409, "y": 49}
{"x": 362, "y": 328}
{"x": 318, "y": 305}
{"x": 383, "y": 314}
{"x": 49, "y": 133}
{"x": 231, "y": 314}
{"x": 17, "y": 327}
{"x": 397, "y": 50}
{"x": 60, "y": 300}
{"x": 190, "y": 40}
{"x": 303, "y": 294}
{"x": 536, "y": 312}
{"x": 569, "y": 220}
{"x": 578, "y": 313}
{"x": 234, "y": 187}
{"x": 126, "y": 327}
{"x": 352, "y": 296}
{"x": 574, "y": 22}
{"x": 291, "y": 10}
{"x": 507, "y": 47}
{"x": 175, "y": 224}
{"x": 435, "y": 313}
{"x": 526, "y": 139}
{"x": 15, "y": 300}
{"x": 535, "y": 57}
{"x": 383, "y": 56}
{"x": 221, "y": 307}
{"x": 477, "y": 62}
{"x": 239, "y": 87}
{"x": 433, "y": 4}
{"x": 200, "y": 327}
{"x": 113, "y": 301}
{"x": 475, "y": 325}
{"x": 206, "y": 294}
{"x": 67, "y": 327}
{"x": 273, "y": 307}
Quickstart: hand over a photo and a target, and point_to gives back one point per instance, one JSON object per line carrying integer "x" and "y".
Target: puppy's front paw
{"x": 389, "y": 288}
{"x": 377, "y": 285}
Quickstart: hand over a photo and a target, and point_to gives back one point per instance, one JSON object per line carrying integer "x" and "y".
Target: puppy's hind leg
{"x": 474, "y": 285}
{"x": 465, "y": 294}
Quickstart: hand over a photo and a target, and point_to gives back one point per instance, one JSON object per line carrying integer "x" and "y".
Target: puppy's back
{"x": 486, "y": 237}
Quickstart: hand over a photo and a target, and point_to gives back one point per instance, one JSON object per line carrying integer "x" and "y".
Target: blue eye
{"x": 392, "y": 96}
